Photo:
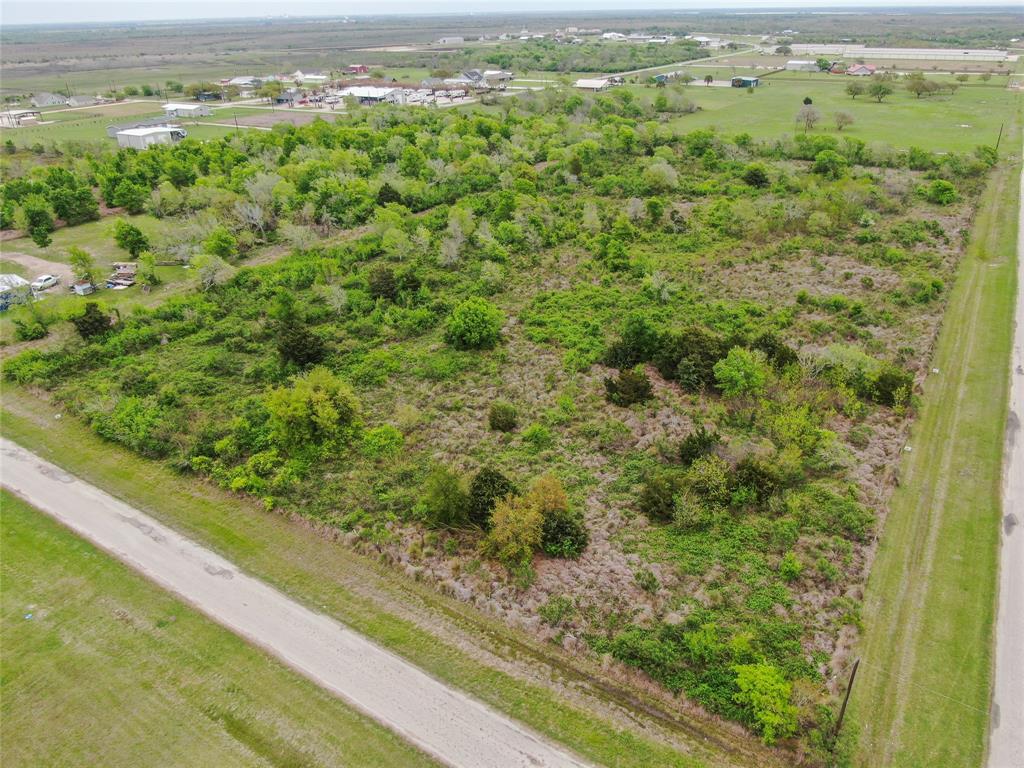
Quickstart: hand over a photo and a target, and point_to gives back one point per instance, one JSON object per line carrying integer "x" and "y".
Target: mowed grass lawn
{"x": 922, "y": 695}
{"x": 945, "y": 123}
{"x": 102, "y": 667}
{"x": 96, "y": 237}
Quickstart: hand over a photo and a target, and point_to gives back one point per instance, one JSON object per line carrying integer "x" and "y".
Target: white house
{"x": 311, "y": 79}
{"x": 143, "y": 138}
{"x": 801, "y": 65}
{"x": 14, "y": 118}
{"x": 187, "y": 110}
{"x": 592, "y": 84}
{"x": 451, "y": 40}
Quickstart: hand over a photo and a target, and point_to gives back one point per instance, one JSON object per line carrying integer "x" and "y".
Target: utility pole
{"x": 999, "y": 138}
{"x": 846, "y": 698}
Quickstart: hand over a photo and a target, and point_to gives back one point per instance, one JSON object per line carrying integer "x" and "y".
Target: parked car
{"x": 43, "y": 282}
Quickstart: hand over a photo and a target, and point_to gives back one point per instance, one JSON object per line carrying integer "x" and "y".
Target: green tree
{"x": 131, "y": 196}
{"x": 741, "y": 372}
{"x": 318, "y": 410}
{"x": 222, "y": 243}
{"x": 36, "y": 217}
{"x": 75, "y": 204}
{"x": 130, "y": 238}
{"x": 879, "y": 89}
{"x": 445, "y": 502}
{"x": 82, "y": 265}
{"x": 474, "y": 324}
{"x": 296, "y": 343}
{"x": 147, "y": 269}
{"x": 824, "y": 65}
{"x": 855, "y": 89}
{"x": 764, "y": 695}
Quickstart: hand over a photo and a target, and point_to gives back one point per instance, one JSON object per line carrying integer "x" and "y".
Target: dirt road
{"x": 445, "y": 723}
{"x": 37, "y": 266}
{"x": 1006, "y": 736}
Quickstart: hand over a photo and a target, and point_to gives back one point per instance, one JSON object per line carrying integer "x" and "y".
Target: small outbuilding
{"x": 801, "y": 65}
{"x": 357, "y": 69}
{"x": 144, "y": 138}
{"x": 592, "y": 84}
{"x": 745, "y": 82}
{"x": 187, "y": 110}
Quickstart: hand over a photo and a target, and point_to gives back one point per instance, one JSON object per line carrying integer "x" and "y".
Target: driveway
{"x": 443, "y": 722}
{"x": 37, "y": 266}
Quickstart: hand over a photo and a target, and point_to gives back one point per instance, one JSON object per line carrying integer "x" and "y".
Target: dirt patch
{"x": 37, "y": 266}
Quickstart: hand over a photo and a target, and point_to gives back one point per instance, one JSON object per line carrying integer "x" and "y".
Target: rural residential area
{"x": 486, "y": 387}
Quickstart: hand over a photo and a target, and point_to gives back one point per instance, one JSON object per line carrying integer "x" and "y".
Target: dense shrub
{"x": 940, "y": 192}
{"x": 563, "y": 533}
{"x": 765, "y": 696}
{"x": 318, "y": 409}
{"x": 502, "y": 417}
{"x": 698, "y": 443}
{"x": 638, "y": 343}
{"x": 756, "y": 175}
{"x": 689, "y": 357}
{"x": 445, "y": 503}
{"x": 629, "y": 387}
{"x": 474, "y": 324}
{"x": 382, "y": 283}
{"x": 93, "y": 321}
{"x": 741, "y": 372}
{"x": 383, "y": 442}
{"x": 658, "y": 495}
{"x": 516, "y": 530}
{"x": 487, "y": 487}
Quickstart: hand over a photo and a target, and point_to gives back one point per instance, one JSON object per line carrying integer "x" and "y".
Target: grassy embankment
{"x": 922, "y": 694}
{"x": 101, "y": 667}
{"x": 332, "y": 579}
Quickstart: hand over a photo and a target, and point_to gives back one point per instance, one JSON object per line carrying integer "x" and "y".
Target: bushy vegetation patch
{"x": 636, "y": 389}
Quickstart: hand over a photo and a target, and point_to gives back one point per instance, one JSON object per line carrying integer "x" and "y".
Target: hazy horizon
{"x": 49, "y": 12}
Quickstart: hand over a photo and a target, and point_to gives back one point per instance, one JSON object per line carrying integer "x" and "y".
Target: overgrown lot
{"x": 636, "y": 391}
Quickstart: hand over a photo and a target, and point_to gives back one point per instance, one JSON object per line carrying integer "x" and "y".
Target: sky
{"x": 66, "y": 11}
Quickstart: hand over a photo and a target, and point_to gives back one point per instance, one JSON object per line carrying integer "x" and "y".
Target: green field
{"x": 348, "y": 587}
{"x": 958, "y": 123}
{"x": 103, "y": 668}
{"x": 922, "y": 695}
